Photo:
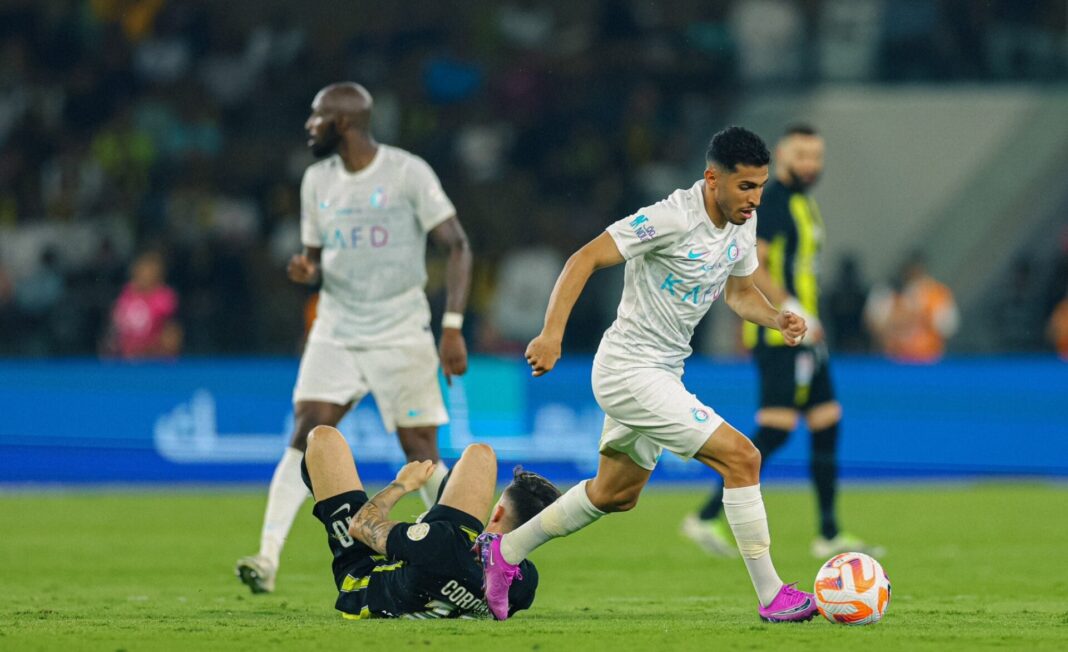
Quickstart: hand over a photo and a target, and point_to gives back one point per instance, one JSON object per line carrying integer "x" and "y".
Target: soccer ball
{"x": 852, "y": 589}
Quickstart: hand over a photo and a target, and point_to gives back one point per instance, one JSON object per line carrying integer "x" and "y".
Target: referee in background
{"x": 794, "y": 381}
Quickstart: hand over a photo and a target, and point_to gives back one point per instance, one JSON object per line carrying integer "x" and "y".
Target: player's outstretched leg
{"x": 708, "y": 529}
{"x": 616, "y": 488}
{"x": 284, "y": 498}
{"x": 738, "y": 461}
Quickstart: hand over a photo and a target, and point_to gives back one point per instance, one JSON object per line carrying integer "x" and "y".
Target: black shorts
{"x": 793, "y": 377}
{"x": 354, "y": 562}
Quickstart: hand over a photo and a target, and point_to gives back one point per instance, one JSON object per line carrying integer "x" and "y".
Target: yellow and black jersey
{"x": 789, "y": 222}
{"x": 430, "y": 570}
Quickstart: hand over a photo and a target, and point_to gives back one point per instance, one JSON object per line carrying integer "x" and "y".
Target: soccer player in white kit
{"x": 366, "y": 210}
{"x": 681, "y": 254}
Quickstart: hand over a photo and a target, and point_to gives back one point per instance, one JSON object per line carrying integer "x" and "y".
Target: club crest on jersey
{"x": 732, "y": 251}
{"x": 642, "y": 228}
{"x": 378, "y": 198}
{"x": 418, "y": 531}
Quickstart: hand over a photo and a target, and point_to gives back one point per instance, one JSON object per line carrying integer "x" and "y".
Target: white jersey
{"x": 371, "y": 226}
{"x": 678, "y": 263}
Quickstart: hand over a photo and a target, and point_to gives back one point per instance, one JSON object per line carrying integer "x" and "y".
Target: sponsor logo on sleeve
{"x": 642, "y": 228}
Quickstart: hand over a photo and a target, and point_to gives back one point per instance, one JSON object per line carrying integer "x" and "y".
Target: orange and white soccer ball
{"x": 852, "y": 589}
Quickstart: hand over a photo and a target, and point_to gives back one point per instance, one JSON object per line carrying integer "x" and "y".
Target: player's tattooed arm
{"x": 371, "y": 525}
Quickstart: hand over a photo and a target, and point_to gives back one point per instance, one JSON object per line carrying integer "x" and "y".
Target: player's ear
{"x": 498, "y": 514}
{"x": 710, "y": 177}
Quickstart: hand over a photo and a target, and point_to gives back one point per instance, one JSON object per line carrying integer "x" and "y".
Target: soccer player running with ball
{"x": 681, "y": 254}
{"x": 793, "y": 380}
{"x": 366, "y": 210}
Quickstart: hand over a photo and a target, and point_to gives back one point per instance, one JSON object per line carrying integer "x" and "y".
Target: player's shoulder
{"x": 399, "y": 157}
{"x": 675, "y": 212}
{"x": 328, "y": 165}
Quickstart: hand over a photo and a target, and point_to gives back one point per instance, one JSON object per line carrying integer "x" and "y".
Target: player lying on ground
{"x": 682, "y": 253}
{"x": 429, "y": 569}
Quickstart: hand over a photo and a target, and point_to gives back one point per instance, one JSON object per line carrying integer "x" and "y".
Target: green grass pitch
{"x": 973, "y": 566}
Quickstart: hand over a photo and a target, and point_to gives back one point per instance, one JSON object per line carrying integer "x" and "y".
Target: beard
{"x": 327, "y": 144}
{"x": 802, "y": 184}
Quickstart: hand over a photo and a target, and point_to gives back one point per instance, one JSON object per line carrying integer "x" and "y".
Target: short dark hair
{"x": 528, "y": 494}
{"x": 800, "y": 129}
{"x": 736, "y": 146}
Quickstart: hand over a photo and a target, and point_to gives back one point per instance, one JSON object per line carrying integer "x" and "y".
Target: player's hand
{"x": 453, "y": 353}
{"x": 302, "y": 270}
{"x": 815, "y": 328}
{"x": 542, "y": 354}
{"x": 791, "y": 326}
{"x": 415, "y": 474}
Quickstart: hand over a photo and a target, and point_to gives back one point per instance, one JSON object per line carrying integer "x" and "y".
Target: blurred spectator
{"x": 1057, "y": 329}
{"x": 142, "y": 319}
{"x": 178, "y": 122}
{"x": 845, "y": 308}
{"x": 912, "y": 319}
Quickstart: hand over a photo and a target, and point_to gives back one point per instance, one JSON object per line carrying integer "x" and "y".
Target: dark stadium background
{"x": 136, "y": 125}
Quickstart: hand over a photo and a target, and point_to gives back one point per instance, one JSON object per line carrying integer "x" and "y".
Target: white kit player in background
{"x": 681, "y": 254}
{"x": 366, "y": 210}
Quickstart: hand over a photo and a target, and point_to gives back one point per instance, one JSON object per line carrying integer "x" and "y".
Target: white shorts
{"x": 648, "y": 410}
{"x": 403, "y": 380}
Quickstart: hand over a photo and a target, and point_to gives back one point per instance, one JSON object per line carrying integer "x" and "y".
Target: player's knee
{"x": 308, "y": 419}
{"x": 322, "y": 436}
{"x": 779, "y": 418}
{"x": 482, "y": 453}
{"x": 744, "y": 458}
{"x": 824, "y": 416}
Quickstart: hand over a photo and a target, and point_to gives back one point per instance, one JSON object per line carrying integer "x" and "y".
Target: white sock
{"x": 744, "y": 509}
{"x": 284, "y": 498}
{"x": 569, "y": 513}
{"x": 429, "y": 491}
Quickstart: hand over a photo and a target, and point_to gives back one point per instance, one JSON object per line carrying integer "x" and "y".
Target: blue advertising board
{"x": 210, "y": 421}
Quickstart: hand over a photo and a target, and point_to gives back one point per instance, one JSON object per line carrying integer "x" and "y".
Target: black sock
{"x": 825, "y": 477}
{"x": 335, "y": 513}
{"x": 767, "y": 441}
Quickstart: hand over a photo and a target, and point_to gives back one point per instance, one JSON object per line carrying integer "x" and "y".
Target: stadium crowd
{"x": 153, "y": 148}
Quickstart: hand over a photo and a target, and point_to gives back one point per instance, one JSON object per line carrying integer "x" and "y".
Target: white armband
{"x": 452, "y": 320}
